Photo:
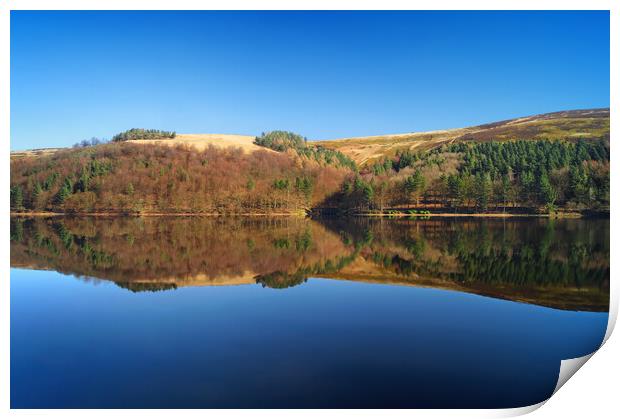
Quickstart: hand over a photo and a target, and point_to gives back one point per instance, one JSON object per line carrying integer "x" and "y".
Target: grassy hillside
{"x": 577, "y": 124}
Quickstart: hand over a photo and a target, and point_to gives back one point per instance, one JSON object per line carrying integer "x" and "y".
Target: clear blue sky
{"x": 75, "y": 75}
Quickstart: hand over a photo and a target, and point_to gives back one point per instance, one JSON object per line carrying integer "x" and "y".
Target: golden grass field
{"x": 202, "y": 141}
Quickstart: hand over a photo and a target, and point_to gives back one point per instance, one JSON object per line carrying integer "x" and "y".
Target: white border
{"x": 586, "y": 395}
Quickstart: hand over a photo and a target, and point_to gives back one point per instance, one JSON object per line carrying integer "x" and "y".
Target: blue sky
{"x": 76, "y": 75}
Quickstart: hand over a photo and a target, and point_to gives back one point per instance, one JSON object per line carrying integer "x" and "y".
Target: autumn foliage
{"x": 291, "y": 175}
{"x": 135, "y": 178}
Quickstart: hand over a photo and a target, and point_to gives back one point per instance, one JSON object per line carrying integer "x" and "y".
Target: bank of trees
{"x": 525, "y": 175}
{"x": 143, "y": 134}
{"x": 153, "y": 178}
{"x": 284, "y": 141}
{"x": 544, "y": 174}
{"x": 281, "y": 140}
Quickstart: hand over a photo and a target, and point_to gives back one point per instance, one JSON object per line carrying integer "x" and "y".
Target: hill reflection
{"x": 562, "y": 264}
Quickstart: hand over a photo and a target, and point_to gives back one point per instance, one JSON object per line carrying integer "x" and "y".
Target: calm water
{"x": 189, "y": 312}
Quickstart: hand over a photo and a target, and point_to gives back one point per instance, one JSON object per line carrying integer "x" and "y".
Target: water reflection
{"x": 562, "y": 264}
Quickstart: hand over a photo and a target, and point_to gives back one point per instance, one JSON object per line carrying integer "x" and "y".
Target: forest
{"x": 139, "y": 178}
{"x": 143, "y": 134}
{"x": 284, "y": 141}
{"x": 533, "y": 176}
{"x": 516, "y": 176}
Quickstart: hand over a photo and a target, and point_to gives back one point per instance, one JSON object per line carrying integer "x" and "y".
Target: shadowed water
{"x": 287, "y": 312}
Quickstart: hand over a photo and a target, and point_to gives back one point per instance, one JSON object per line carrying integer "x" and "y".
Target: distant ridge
{"x": 571, "y": 124}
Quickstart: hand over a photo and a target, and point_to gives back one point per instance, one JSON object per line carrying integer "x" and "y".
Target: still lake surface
{"x": 286, "y": 312}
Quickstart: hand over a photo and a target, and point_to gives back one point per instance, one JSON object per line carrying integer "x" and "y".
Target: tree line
{"x": 538, "y": 175}
{"x": 284, "y": 140}
{"x": 143, "y": 134}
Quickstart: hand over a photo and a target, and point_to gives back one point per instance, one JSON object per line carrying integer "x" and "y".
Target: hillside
{"x": 538, "y": 164}
{"x": 576, "y": 124}
{"x": 164, "y": 176}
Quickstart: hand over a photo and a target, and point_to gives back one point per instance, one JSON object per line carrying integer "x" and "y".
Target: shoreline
{"x": 478, "y": 215}
{"x": 572, "y": 215}
{"x": 153, "y": 214}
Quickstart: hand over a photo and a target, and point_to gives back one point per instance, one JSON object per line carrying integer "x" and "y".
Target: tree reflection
{"x": 561, "y": 263}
